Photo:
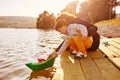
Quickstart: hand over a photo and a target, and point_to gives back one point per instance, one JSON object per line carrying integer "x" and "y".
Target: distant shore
{"x": 17, "y": 22}
{"x": 107, "y": 28}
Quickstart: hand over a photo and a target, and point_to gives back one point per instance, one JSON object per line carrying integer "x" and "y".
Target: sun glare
{"x": 118, "y": 9}
{"x": 62, "y": 4}
{"x": 32, "y": 7}
{"x": 80, "y": 1}
{"x": 58, "y": 7}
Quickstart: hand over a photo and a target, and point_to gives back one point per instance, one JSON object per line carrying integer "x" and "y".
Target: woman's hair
{"x": 63, "y": 19}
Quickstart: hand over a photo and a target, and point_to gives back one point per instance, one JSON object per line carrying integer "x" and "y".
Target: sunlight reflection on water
{"x": 19, "y": 46}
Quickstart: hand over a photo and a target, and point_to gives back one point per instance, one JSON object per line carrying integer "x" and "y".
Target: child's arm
{"x": 57, "y": 49}
{"x": 62, "y": 47}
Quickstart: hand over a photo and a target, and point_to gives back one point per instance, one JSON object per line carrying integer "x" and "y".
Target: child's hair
{"x": 63, "y": 19}
{"x": 60, "y": 23}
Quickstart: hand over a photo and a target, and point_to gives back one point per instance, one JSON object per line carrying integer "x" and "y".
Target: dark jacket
{"x": 91, "y": 28}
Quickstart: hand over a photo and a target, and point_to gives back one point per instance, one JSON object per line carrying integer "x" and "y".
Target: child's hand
{"x": 52, "y": 54}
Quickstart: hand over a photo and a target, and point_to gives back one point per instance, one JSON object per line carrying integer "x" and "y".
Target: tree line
{"x": 90, "y": 10}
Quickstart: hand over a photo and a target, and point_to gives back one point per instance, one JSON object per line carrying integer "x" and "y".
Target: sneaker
{"x": 78, "y": 56}
{"x": 84, "y": 55}
{"x": 80, "y": 53}
{"x": 74, "y": 52}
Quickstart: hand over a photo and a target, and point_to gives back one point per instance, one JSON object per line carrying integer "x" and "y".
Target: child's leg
{"x": 72, "y": 44}
{"x": 87, "y": 43}
{"x": 80, "y": 45}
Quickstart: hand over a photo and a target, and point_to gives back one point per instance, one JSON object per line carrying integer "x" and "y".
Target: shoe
{"x": 84, "y": 55}
{"x": 74, "y": 52}
{"x": 80, "y": 55}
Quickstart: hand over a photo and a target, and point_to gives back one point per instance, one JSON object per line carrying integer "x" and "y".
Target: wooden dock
{"x": 111, "y": 50}
{"x": 103, "y": 64}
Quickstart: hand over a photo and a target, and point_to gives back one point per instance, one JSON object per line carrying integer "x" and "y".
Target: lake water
{"x": 20, "y": 46}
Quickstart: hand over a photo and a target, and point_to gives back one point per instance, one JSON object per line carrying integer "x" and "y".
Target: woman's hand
{"x": 53, "y": 54}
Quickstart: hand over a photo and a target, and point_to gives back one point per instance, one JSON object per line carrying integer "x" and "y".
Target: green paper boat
{"x": 41, "y": 65}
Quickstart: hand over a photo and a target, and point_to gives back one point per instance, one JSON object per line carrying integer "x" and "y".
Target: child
{"x": 80, "y": 35}
{"x": 76, "y": 38}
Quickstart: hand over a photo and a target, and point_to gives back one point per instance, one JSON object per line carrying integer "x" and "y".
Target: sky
{"x": 32, "y": 8}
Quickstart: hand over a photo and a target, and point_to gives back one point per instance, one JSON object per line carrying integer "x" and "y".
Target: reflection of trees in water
{"x": 47, "y": 73}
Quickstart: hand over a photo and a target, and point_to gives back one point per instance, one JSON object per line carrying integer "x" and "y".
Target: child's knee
{"x": 87, "y": 43}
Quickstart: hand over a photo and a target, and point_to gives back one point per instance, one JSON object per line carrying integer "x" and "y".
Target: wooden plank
{"x": 96, "y": 54}
{"x": 69, "y": 68}
{"x": 107, "y": 51}
{"x": 90, "y": 70}
{"x": 108, "y": 70}
{"x": 110, "y": 46}
{"x": 114, "y": 44}
{"x": 116, "y": 40}
{"x": 116, "y": 61}
{"x": 112, "y": 50}
{"x": 115, "y": 50}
